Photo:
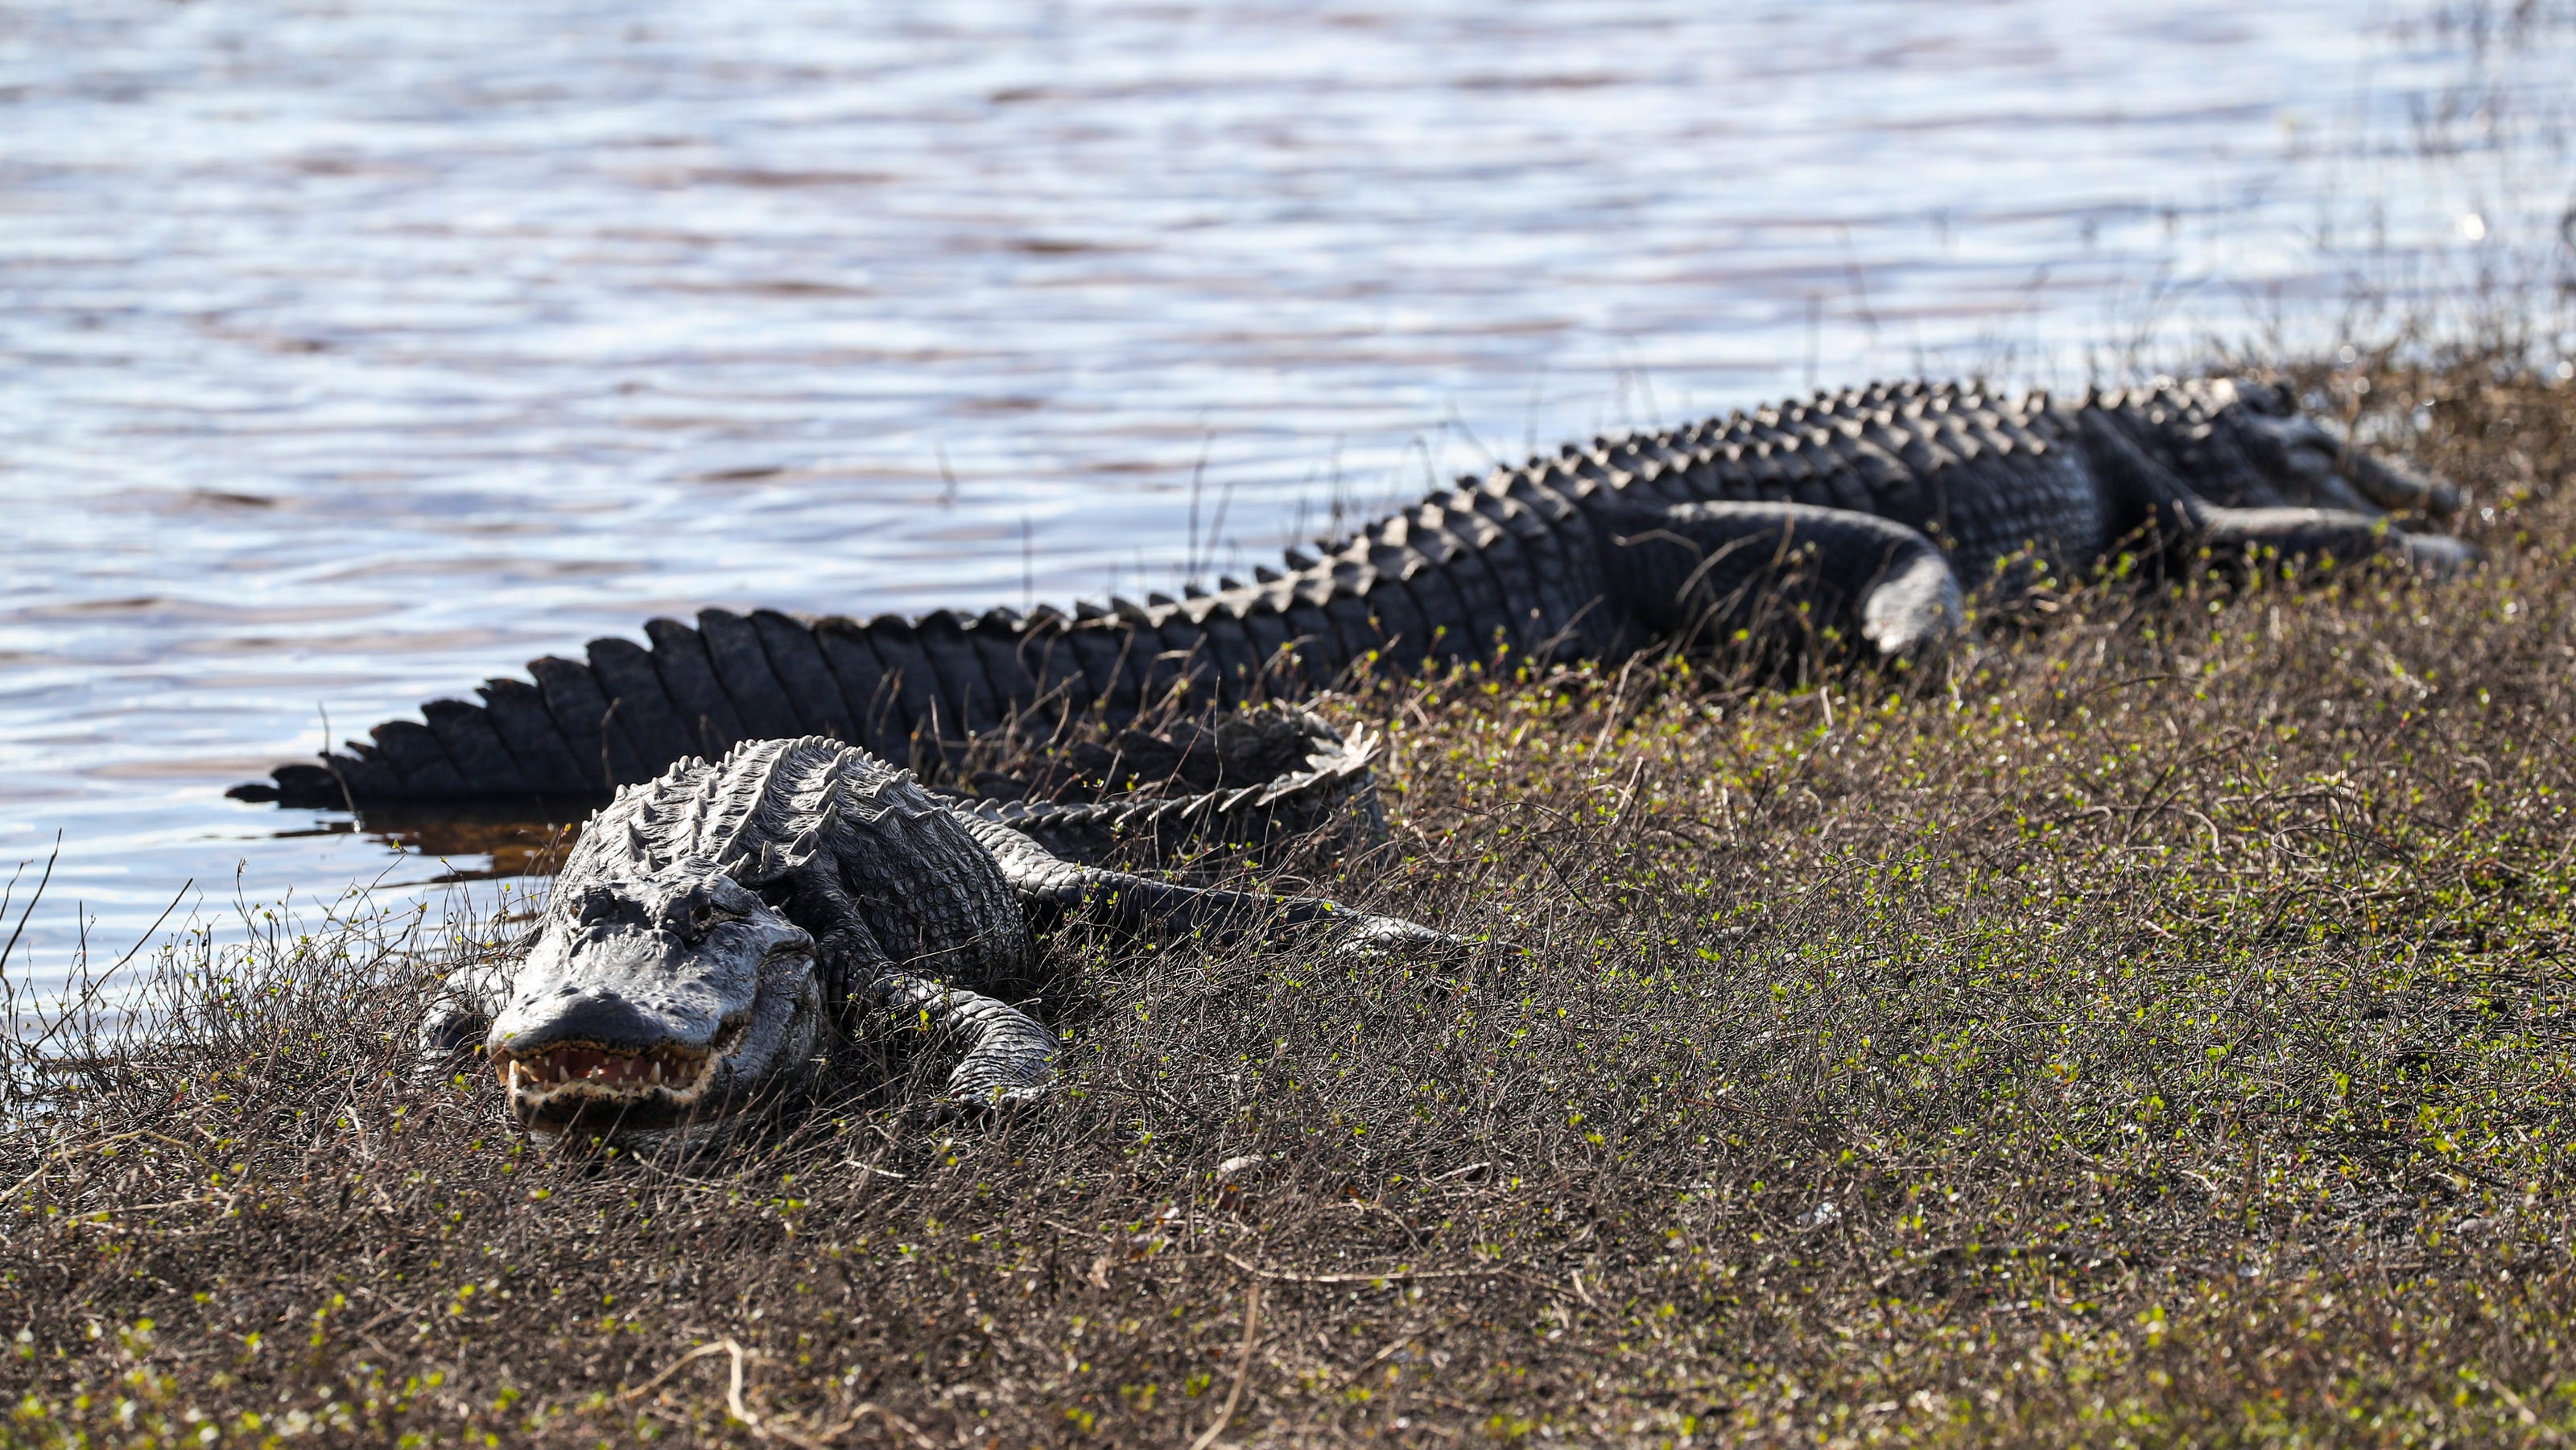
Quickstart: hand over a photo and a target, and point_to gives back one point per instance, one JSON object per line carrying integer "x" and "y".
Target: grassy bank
{"x": 2156, "y": 1024}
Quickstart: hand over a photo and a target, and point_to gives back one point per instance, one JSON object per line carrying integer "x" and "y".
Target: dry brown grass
{"x": 2158, "y": 1027}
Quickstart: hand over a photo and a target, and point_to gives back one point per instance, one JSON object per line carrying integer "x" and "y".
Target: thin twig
{"x": 674, "y": 1367}
{"x": 1389, "y": 1277}
{"x": 733, "y": 1391}
{"x": 1242, "y": 1366}
{"x": 55, "y": 855}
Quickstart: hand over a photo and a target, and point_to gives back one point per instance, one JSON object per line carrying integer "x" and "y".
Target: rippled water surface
{"x": 349, "y": 354}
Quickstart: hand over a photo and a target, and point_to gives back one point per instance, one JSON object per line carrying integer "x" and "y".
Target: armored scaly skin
{"x": 1859, "y": 514}
{"x": 717, "y": 929}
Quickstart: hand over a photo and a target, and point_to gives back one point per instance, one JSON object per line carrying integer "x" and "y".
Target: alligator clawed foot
{"x": 451, "y": 1040}
{"x": 1386, "y": 937}
{"x": 2440, "y": 555}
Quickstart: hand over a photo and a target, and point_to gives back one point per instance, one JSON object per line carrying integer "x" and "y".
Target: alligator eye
{"x": 708, "y": 918}
{"x": 701, "y": 908}
{"x": 698, "y": 915}
{"x": 595, "y": 904}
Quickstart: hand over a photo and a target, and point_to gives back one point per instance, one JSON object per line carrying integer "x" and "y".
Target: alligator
{"x": 1858, "y": 520}
{"x": 719, "y": 930}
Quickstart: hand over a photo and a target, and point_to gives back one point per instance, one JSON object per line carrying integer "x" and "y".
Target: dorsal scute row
{"x": 1511, "y": 554}
{"x": 762, "y": 794}
{"x": 1889, "y": 434}
{"x": 1823, "y": 422}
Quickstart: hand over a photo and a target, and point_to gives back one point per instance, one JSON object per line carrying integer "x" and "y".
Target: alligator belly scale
{"x": 1863, "y": 516}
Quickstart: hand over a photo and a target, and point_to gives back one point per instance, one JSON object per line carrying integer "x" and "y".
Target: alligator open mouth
{"x": 595, "y": 1065}
{"x": 567, "y": 1083}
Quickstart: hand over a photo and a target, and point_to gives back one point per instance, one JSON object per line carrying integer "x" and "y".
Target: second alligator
{"x": 1861, "y": 515}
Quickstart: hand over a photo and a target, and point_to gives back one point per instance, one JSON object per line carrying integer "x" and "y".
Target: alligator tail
{"x": 914, "y": 691}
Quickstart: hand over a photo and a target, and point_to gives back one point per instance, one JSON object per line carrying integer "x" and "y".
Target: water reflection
{"x": 470, "y": 842}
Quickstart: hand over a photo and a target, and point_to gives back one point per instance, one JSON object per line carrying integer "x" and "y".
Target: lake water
{"x": 350, "y": 353}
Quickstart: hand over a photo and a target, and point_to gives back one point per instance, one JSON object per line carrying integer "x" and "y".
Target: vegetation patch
{"x": 2152, "y": 1024}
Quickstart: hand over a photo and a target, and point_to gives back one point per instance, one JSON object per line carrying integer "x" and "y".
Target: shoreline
{"x": 2156, "y": 1027}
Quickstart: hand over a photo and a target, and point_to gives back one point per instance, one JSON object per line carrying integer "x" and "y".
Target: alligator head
{"x": 2312, "y": 463}
{"x": 649, "y": 1011}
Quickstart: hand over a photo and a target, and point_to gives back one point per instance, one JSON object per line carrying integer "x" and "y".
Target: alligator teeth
{"x": 669, "y": 1067}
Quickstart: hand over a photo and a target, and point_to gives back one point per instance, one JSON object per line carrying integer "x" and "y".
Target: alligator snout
{"x": 595, "y": 1057}
{"x": 652, "y": 1007}
{"x": 613, "y": 1019}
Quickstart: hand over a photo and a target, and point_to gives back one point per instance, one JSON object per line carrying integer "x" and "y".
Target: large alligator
{"x": 1860, "y": 516}
{"x": 717, "y": 930}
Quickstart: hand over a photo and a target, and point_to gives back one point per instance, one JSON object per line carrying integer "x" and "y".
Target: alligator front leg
{"x": 452, "y": 1031}
{"x": 1705, "y": 571}
{"x": 2304, "y": 533}
{"x": 1008, "y": 1058}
